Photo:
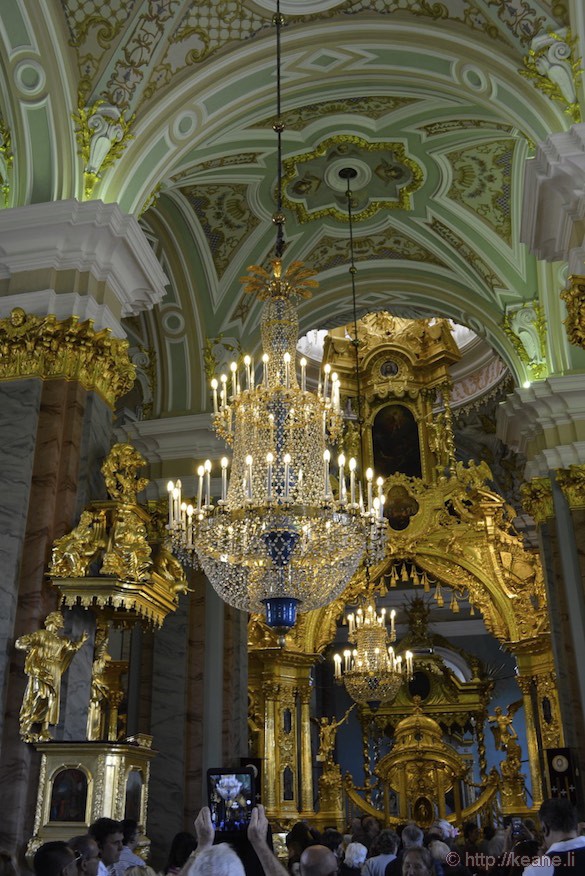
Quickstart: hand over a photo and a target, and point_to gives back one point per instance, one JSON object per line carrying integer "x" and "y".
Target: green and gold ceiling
{"x": 429, "y": 102}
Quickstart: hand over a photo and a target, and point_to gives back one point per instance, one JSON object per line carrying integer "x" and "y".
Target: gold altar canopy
{"x": 448, "y": 528}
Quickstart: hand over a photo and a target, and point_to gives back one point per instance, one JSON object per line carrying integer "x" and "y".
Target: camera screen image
{"x": 231, "y": 799}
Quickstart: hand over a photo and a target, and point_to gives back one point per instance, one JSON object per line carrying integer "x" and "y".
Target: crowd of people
{"x": 518, "y": 848}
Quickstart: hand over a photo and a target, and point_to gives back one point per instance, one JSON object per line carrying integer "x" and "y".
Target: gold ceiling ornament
{"x": 6, "y": 159}
{"x": 102, "y": 134}
{"x": 388, "y": 167}
{"x": 111, "y": 560}
{"x": 553, "y": 65}
{"x": 278, "y": 537}
{"x": 537, "y": 499}
{"x": 574, "y": 298}
{"x": 526, "y": 326}
{"x": 45, "y": 347}
{"x": 572, "y": 482}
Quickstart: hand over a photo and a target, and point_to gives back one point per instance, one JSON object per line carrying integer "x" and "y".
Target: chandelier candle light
{"x": 278, "y": 537}
{"x": 372, "y": 672}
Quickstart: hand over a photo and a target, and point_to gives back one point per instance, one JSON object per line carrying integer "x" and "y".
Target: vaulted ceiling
{"x": 432, "y": 103}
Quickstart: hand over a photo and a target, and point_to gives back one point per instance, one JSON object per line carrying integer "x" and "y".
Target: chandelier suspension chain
{"x": 278, "y": 127}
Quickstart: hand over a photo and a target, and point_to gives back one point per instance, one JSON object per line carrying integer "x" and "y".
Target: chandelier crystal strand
{"x": 278, "y": 537}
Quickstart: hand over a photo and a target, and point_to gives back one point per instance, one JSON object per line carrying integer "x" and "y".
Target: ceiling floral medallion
{"x": 386, "y": 179}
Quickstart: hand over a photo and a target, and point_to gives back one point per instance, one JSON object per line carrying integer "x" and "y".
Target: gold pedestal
{"x": 330, "y": 799}
{"x": 82, "y": 781}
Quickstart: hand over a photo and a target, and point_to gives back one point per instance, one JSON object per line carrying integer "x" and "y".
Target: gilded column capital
{"x": 271, "y": 690}
{"x": 305, "y": 691}
{"x": 45, "y": 347}
{"x": 574, "y": 298}
{"x": 537, "y": 499}
{"x": 572, "y": 482}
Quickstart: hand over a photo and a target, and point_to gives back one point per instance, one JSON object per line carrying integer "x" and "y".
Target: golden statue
{"x": 74, "y": 551}
{"x": 503, "y": 730}
{"x": 120, "y": 473}
{"x": 48, "y": 657}
{"x": 129, "y": 556}
{"x": 98, "y": 702}
{"x": 328, "y": 728}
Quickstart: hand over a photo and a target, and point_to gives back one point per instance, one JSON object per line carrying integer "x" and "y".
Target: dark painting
{"x": 69, "y": 796}
{"x": 395, "y": 441}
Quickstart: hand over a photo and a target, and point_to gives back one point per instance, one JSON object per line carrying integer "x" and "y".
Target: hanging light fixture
{"x": 372, "y": 671}
{"x": 278, "y": 537}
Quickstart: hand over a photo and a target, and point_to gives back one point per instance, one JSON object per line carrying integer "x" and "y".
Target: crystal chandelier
{"x": 372, "y": 672}
{"x": 279, "y": 537}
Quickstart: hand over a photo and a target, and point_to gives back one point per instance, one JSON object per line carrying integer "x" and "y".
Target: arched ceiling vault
{"x": 427, "y": 102}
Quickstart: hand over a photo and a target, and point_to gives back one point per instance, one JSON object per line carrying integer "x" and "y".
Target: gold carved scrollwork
{"x": 120, "y": 473}
{"x": 537, "y": 499}
{"x": 31, "y": 346}
{"x": 574, "y": 298}
{"x": 572, "y": 482}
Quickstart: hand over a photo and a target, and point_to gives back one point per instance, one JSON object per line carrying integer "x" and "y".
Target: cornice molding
{"x": 553, "y": 210}
{"x": 546, "y": 423}
{"x": 77, "y": 259}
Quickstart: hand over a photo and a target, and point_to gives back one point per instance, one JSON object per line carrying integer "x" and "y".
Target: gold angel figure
{"x": 502, "y": 728}
{"x": 328, "y": 728}
{"x": 48, "y": 656}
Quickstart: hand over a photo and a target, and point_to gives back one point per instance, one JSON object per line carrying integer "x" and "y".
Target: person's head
{"x": 417, "y": 862}
{"x": 385, "y": 843}
{"x": 54, "y": 621}
{"x": 298, "y": 839}
{"x": 489, "y": 832}
{"x": 470, "y": 832}
{"x": 181, "y": 847}
{"x": 355, "y": 855}
{"x": 108, "y": 835}
{"x": 86, "y": 850}
{"x": 318, "y": 860}
{"x": 220, "y": 860}
{"x": 333, "y": 839}
{"x": 412, "y": 837}
{"x": 442, "y": 829}
{"x": 370, "y": 826}
{"x": 129, "y": 832}
{"x": 439, "y": 850}
{"x": 559, "y": 820}
{"x": 55, "y": 859}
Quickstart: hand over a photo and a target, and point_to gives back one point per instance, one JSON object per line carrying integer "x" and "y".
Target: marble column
{"x": 19, "y": 414}
{"x": 168, "y": 729}
{"x": 51, "y": 507}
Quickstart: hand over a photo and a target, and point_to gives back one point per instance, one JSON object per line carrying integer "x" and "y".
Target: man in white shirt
{"x": 127, "y": 856}
{"x": 108, "y": 835}
{"x": 565, "y": 849}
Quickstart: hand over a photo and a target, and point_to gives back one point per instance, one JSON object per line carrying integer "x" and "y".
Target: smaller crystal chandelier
{"x": 372, "y": 672}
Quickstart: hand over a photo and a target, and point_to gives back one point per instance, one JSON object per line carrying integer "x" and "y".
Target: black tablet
{"x": 231, "y": 798}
